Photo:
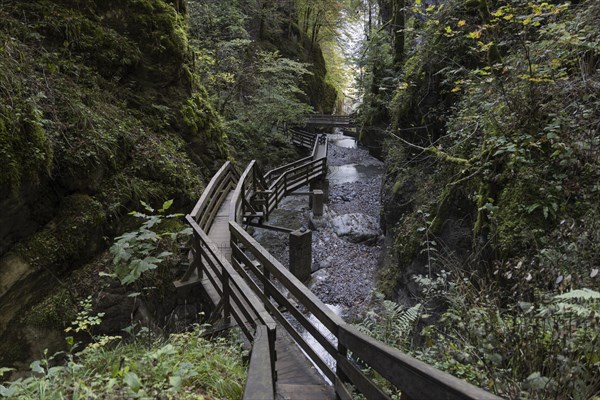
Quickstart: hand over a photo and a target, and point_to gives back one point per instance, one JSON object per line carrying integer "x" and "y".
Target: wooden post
{"x": 325, "y": 189}
{"x": 301, "y": 254}
{"x": 226, "y": 295}
{"x": 317, "y": 206}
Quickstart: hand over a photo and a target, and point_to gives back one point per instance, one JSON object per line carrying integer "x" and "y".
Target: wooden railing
{"x": 255, "y": 288}
{"x": 237, "y": 299}
{"x": 259, "y": 196}
{"x": 417, "y": 380}
{"x": 329, "y": 120}
{"x": 302, "y": 138}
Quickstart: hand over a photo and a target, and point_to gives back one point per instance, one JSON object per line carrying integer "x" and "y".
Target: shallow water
{"x": 343, "y": 141}
{"x": 314, "y": 344}
{"x": 349, "y": 173}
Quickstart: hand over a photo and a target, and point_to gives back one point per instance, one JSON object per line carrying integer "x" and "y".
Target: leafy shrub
{"x": 184, "y": 366}
{"x": 138, "y": 251}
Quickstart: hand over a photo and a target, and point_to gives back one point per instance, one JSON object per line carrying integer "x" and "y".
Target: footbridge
{"x": 251, "y": 289}
{"x": 324, "y": 120}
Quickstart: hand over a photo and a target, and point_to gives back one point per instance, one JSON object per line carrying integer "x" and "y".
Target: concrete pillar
{"x": 301, "y": 254}
{"x": 317, "y": 204}
{"x": 323, "y": 185}
{"x": 325, "y": 189}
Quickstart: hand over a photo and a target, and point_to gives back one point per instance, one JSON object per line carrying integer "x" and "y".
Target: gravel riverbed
{"x": 345, "y": 270}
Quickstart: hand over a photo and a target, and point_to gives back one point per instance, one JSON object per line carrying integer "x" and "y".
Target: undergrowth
{"x": 183, "y": 366}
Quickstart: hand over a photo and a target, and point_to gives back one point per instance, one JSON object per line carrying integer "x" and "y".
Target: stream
{"x": 343, "y": 271}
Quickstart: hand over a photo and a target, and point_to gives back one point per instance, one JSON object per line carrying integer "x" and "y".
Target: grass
{"x": 183, "y": 366}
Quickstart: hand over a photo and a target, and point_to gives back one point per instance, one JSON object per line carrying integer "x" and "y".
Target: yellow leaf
{"x": 461, "y": 23}
{"x": 474, "y": 35}
{"x": 456, "y": 89}
{"x": 508, "y": 17}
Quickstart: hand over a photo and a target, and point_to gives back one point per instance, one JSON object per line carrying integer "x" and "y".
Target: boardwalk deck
{"x": 241, "y": 285}
{"x": 297, "y": 379}
{"x": 219, "y": 231}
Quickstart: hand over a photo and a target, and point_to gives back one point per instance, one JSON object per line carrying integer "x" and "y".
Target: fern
{"x": 584, "y": 294}
{"x": 581, "y": 302}
{"x": 390, "y": 322}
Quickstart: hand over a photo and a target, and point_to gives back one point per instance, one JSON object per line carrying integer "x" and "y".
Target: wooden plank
{"x": 296, "y": 287}
{"x": 341, "y": 391}
{"x": 292, "y": 365}
{"x": 282, "y": 300}
{"x": 414, "y": 378}
{"x": 234, "y": 208}
{"x": 305, "y": 392}
{"x": 209, "y": 188}
{"x": 270, "y": 227}
{"x": 363, "y": 384}
{"x": 299, "y": 340}
{"x": 227, "y": 268}
{"x": 260, "y": 384}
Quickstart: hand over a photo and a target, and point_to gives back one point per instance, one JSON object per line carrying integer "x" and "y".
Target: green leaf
{"x": 579, "y": 294}
{"x": 166, "y": 205}
{"x": 54, "y": 371}
{"x": 132, "y": 380}
{"x": 8, "y": 392}
{"x": 36, "y": 367}
{"x": 4, "y": 370}
{"x": 186, "y": 231}
{"x": 536, "y": 381}
{"x": 146, "y": 206}
{"x": 175, "y": 382}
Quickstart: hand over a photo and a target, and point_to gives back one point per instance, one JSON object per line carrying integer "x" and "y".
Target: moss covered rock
{"x": 99, "y": 111}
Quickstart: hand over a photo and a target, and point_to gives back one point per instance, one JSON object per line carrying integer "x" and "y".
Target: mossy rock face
{"x": 71, "y": 236}
{"x": 515, "y": 229}
{"x": 55, "y": 311}
{"x": 321, "y": 95}
{"x": 202, "y": 128}
{"x": 27, "y": 156}
{"x": 99, "y": 111}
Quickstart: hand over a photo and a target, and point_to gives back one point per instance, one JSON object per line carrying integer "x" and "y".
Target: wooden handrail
{"x": 261, "y": 379}
{"x": 253, "y": 283}
{"x": 329, "y": 120}
{"x": 414, "y": 378}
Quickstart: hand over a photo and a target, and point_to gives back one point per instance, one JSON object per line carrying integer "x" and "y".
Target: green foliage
{"x": 376, "y": 82}
{"x": 25, "y": 151}
{"x": 254, "y": 87}
{"x": 85, "y": 320}
{"x": 557, "y": 342}
{"x": 390, "y": 322}
{"x": 184, "y": 366}
{"x": 138, "y": 251}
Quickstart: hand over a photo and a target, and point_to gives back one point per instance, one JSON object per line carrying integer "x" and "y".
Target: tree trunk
{"x": 398, "y": 32}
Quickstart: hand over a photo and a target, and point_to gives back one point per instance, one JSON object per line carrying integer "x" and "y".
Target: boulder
{"x": 356, "y": 227}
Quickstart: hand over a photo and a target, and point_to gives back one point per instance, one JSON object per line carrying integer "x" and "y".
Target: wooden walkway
{"x": 253, "y": 290}
{"x": 219, "y": 231}
{"x": 297, "y": 378}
